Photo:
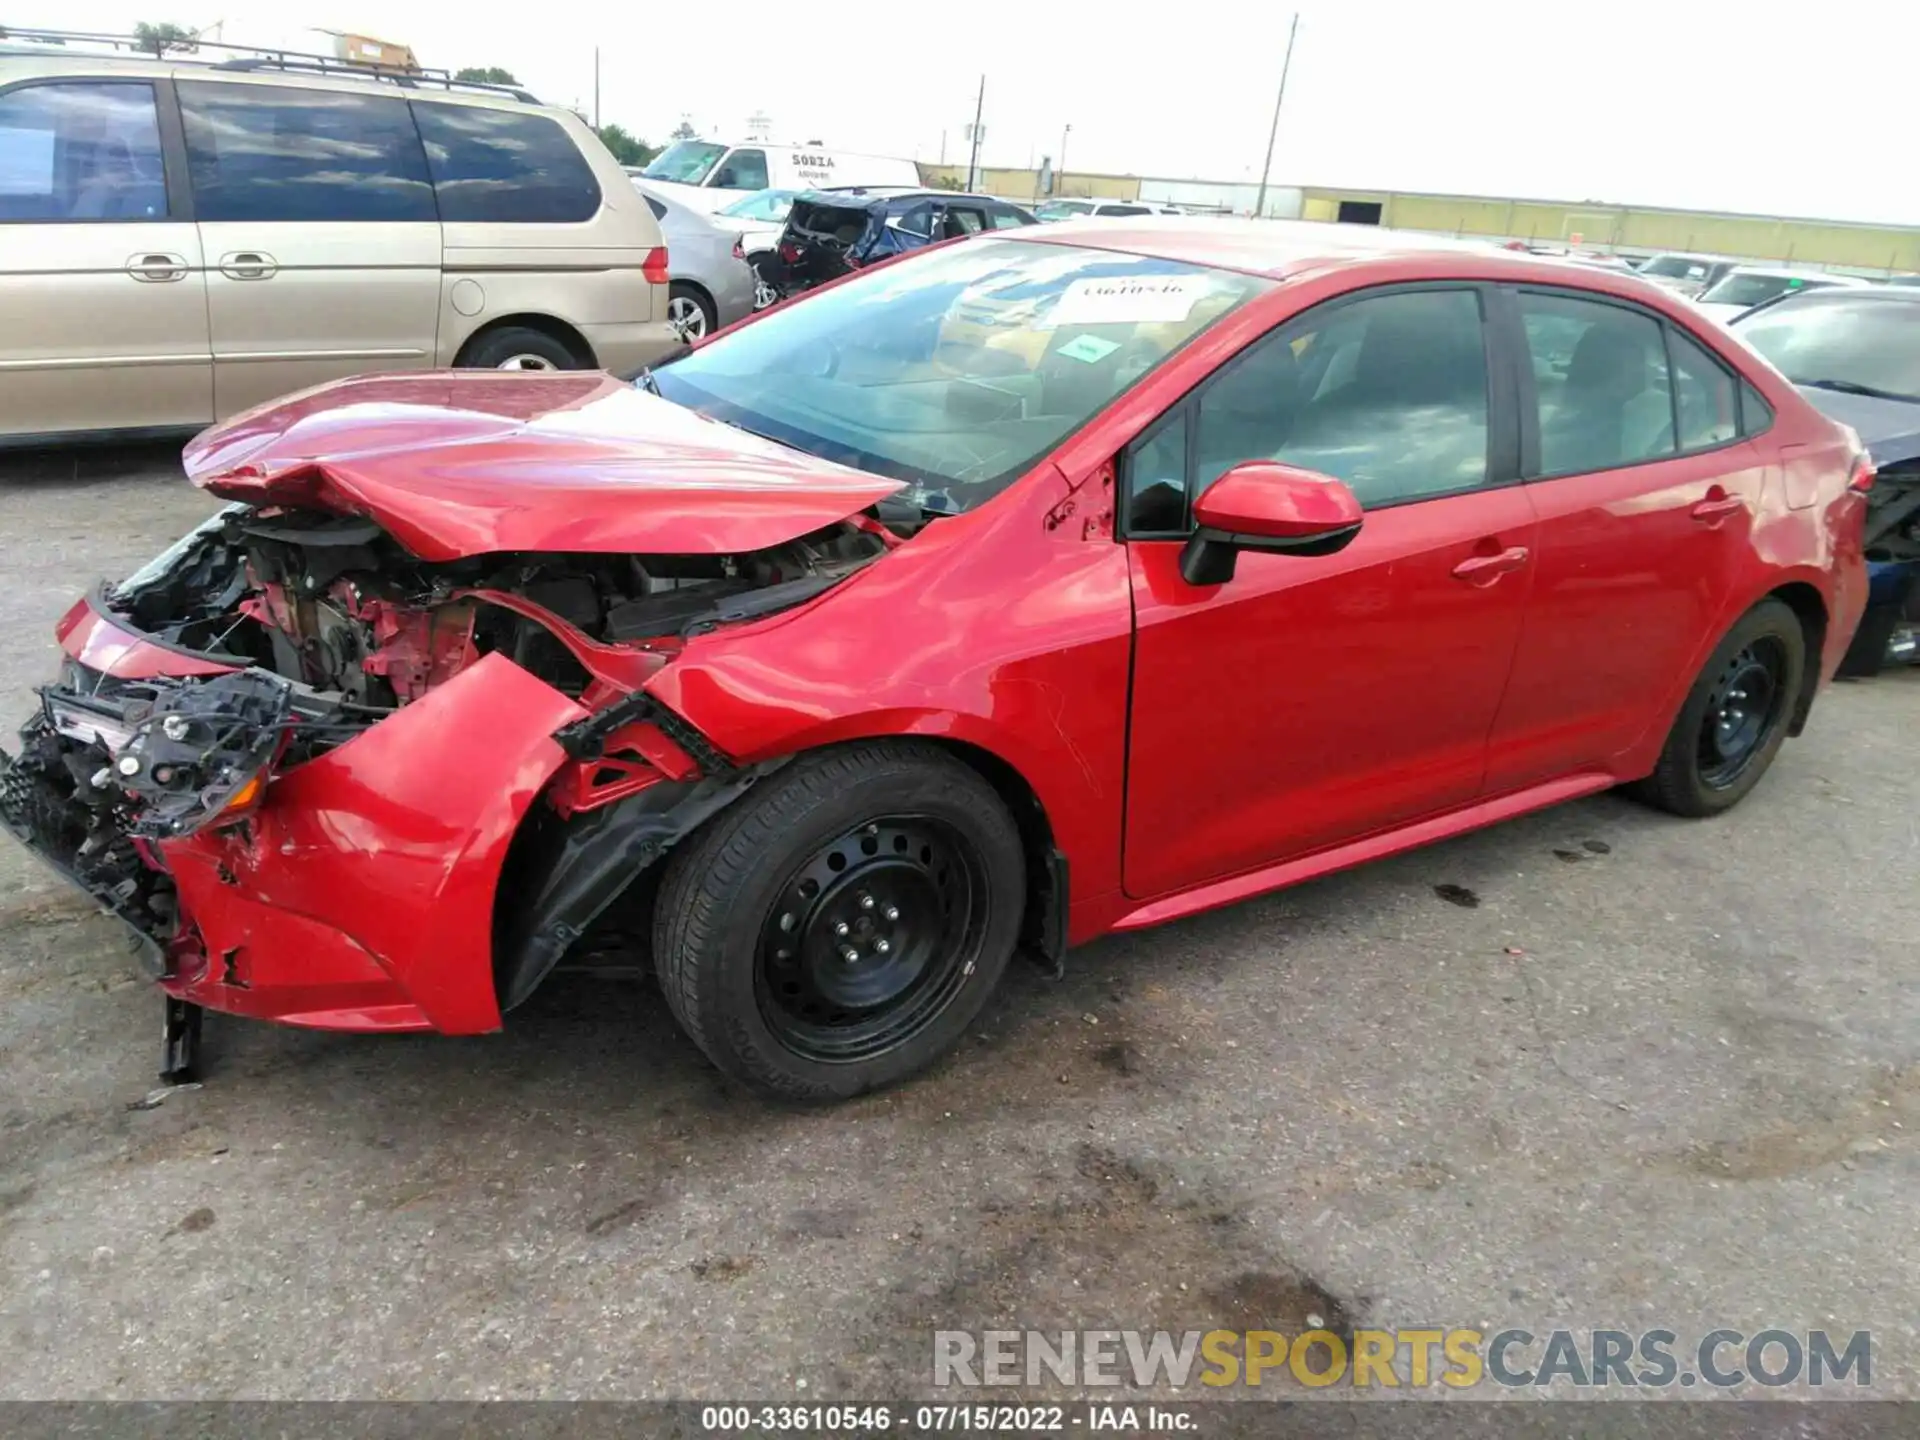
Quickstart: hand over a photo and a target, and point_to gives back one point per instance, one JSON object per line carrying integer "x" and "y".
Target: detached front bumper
{"x": 358, "y": 894}
{"x": 41, "y": 820}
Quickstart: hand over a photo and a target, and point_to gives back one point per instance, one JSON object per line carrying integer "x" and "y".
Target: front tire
{"x": 1735, "y": 717}
{"x": 840, "y": 928}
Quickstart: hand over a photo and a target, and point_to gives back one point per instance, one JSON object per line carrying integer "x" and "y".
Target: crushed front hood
{"x": 472, "y": 462}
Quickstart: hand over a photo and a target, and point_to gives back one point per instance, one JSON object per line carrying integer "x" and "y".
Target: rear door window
{"x": 964, "y": 220}
{"x": 81, "y": 150}
{"x": 272, "y": 153}
{"x": 917, "y": 221}
{"x": 1704, "y": 396}
{"x": 1009, "y": 219}
{"x": 505, "y": 166}
{"x": 1600, "y": 375}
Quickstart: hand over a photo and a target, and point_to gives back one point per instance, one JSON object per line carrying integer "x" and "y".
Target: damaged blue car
{"x": 1855, "y": 353}
{"x": 830, "y": 232}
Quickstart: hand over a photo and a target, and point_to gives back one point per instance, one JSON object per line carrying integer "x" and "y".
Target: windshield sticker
{"x": 1127, "y": 300}
{"x": 1090, "y": 348}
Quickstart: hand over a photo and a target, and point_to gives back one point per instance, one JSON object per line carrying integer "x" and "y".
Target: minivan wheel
{"x": 689, "y": 312}
{"x": 518, "y": 347}
{"x": 840, "y": 928}
{"x": 1735, "y": 717}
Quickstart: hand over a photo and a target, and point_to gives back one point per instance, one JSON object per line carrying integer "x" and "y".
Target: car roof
{"x": 889, "y": 193}
{"x": 1789, "y": 272}
{"x": 1283, "y": 249}
{"x": 1269, "y": 247}
{"x": 38, "y": 61}
{"x": 1830, "y": 295}
{"x": 1834, "y": 294}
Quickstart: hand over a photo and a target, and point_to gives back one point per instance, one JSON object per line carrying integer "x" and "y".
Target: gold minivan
{"x": 181, "y": 239}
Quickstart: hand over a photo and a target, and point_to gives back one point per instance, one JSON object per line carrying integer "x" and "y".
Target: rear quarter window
{"x": 505, "y": 166}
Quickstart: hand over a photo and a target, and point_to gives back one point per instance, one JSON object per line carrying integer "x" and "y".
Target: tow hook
{"x": 180, "y": 1042}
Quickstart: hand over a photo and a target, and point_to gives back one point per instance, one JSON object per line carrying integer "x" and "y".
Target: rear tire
{"x": 893, "y": 853}
{"x": 690, "y": 312}
{"x": 519, "y": 347}
{"x": 1734, "y": 719}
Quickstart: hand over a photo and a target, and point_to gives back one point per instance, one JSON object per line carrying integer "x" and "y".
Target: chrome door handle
{"x": 1485, "y": 569}
{"x": 157, "y": 266}
{"x": 248, "y": 265}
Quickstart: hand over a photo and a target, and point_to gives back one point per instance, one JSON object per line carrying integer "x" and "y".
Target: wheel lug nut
{"x": 840, "y": 929}
{"x": 892, "y": 912}
{"x": 866, "y": 902}
{"x": 880, "y": 946}
{"x": 850, "y": 955}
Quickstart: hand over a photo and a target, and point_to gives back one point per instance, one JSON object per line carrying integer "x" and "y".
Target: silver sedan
{"x": 711, "y": 286}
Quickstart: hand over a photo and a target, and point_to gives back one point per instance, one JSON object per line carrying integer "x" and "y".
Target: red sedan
{"x": 1015, "y": 592}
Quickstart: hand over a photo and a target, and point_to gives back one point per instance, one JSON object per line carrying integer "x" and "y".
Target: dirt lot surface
{"x": 1656, "y": 1073}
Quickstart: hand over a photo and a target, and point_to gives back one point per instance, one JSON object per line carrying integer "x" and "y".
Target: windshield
{"x": 1061, "y": 209}
{"x": 762, "y": 205}
{"x": 1674, "y": 267}
{"x": 1854, "y": 340}
{"x": 1749, "y": 289}
{"x": 957, "y": 369}
{"x": 685, "y": 161}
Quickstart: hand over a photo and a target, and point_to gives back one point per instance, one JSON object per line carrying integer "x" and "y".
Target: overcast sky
{"x": 1691, "y": 103}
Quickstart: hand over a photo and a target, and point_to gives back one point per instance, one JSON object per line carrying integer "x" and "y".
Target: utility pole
{"x": 596, "y": 87}
{"x": 1060, "y": 172}
{"x": 1260, "y": 204}
{"x": 973, "y": 159}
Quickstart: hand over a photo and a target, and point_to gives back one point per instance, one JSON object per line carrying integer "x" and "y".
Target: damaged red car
{"x": 998, "y": 597}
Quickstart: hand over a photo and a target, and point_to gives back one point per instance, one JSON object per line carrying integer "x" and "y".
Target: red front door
{"x": 1309, "y": 701}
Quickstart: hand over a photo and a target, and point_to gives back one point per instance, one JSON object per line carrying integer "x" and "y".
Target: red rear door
{"x": 1646, "y": 503}
{"x": 1309, "y": 701}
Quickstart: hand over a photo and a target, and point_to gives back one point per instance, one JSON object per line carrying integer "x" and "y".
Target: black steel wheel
{"x": 839, "y": 928}
{"x": 1735, "y": 718}
{"x": 871, "y": 938}
{"x": 1747, "y": 703}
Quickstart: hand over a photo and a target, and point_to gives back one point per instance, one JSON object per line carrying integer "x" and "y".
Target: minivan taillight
{"x": 654, "y": 267}
{"x": 1862, "y": 477}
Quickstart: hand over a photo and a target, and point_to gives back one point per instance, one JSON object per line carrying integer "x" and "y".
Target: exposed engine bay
{"x": 333, "y": 604}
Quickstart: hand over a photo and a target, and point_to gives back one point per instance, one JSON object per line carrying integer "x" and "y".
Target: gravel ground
{"x": 1661, "y": 1074}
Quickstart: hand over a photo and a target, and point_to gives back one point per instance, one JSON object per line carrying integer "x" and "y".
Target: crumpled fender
{"x": 395, "y": 840}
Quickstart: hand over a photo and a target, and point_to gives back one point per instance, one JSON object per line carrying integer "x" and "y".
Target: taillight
{"x": 654, "y": 267}
{"x": 1862, "y": 477}
{"x": 739, "y": 248}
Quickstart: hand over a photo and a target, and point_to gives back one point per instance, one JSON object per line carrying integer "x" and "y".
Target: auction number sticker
{"x": 1126, "y": 300}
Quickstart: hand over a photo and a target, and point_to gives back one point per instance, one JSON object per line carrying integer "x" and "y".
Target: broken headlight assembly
{"x": 199, "y": 752}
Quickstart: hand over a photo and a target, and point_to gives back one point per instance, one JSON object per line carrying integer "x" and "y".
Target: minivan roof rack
{"x": 256, "y": 57}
